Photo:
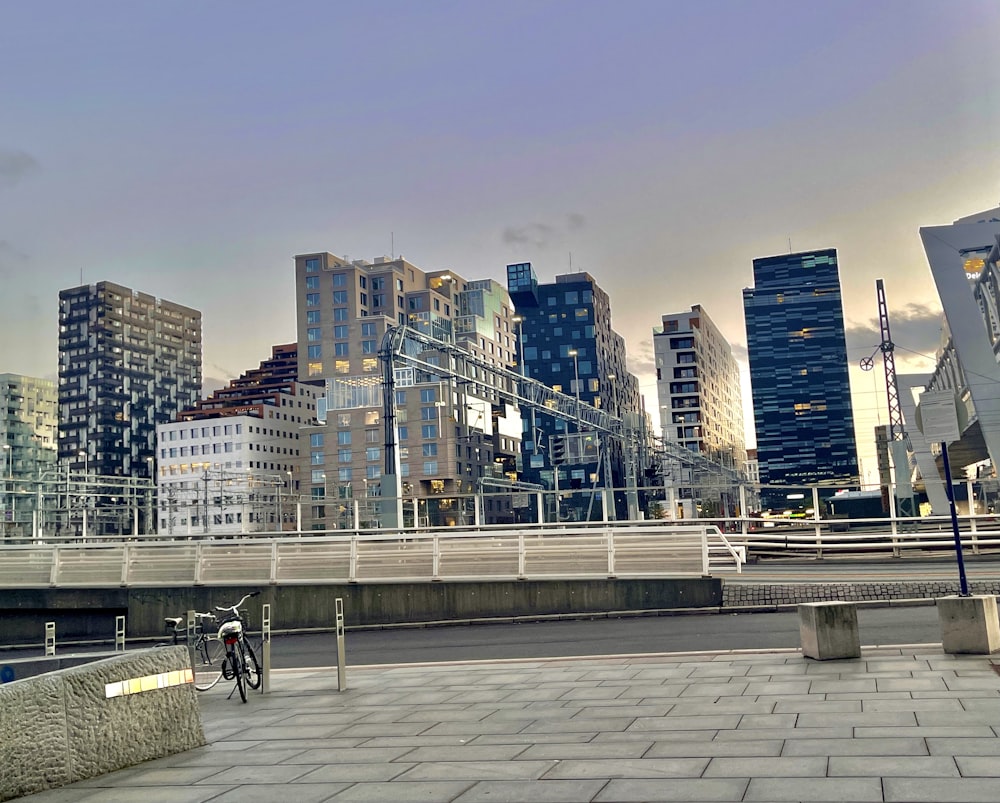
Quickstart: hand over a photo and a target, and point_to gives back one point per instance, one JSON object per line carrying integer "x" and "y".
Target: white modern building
{"x": 232, "y": 464}
{"x": 964, "y": 260}
{"x": 698, "y": 388}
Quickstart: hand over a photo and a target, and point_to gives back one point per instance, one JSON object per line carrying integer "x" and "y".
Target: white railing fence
{"x": 572, "y": 553}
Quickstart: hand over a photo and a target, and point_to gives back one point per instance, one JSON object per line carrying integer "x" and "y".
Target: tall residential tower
{"x": 127, "y": 362}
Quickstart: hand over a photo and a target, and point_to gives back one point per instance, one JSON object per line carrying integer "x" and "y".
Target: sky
{"x": 189, "y": 150}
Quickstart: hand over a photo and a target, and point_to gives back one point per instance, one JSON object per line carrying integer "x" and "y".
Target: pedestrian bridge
{"x": 650, "y": 550}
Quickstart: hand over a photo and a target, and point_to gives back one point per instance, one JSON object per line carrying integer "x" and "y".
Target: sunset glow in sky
{"x": 188, "y": 150}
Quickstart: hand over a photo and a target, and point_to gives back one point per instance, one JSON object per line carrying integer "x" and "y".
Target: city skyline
{"x": 192, "y": 162}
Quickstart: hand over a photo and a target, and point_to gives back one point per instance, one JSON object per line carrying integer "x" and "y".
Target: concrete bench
{"x": 969, "y": 624}
{"x": 829, "y": 630}
{"x": 84, "y": 721}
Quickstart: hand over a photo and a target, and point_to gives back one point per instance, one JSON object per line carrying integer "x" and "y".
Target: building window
{"x": 343, "y": 455}
{"x": 343, "y": 419}
{"x": 340, "y": 332}
{"x": 429, "y": 413}
{"x": 369, "y": 365}
{"x": 344, "y": 438}
{"x": 314, "y": 333}
{"x": 341, "y": 314}
{"x": 344, "y": 474}
{"x": 312, "y": 282}
{"x": 364, "y": 299}
{"x": 429, "y": 431}
{"x": 315, "y": 369}
{"x": 368, "y": 347}
{"x": 373, "y": 472}
{"x": 314, "y": 352}
{"x": 318, "y": 476}
{"x": 404, "y": 433}
{"x": 430, "y": 449}
{"x": 363, "y": 282}
{"x": 312, "y": 316}
{"x": 340, "y": 349}
{"x": 342, "y": 366}
{"x": 339, "y": 296}
{"x": 312, "y": 299}
{"x": 340, "y": 280}
{"x": 373, "y": 453}
{"x": 312, "y": 265}
{"x": 368, "y": 330}
{"x": 316, "y": 458}
{"x": 378, "y": 299}
{"x": 430, "y": 467}
{"x": 428, "y": 395}
{"x": 316, "y": 440}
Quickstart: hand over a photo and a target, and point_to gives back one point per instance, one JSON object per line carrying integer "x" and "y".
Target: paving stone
{"x": 578, "y": 725}
{"x": 531, "y": 792}
{"x": 355, "y": 772}
{"x": 983, "y": 766}
{"x": 844, "y": 732}
{"x": 854, "y": 747}
{"x": 477, "y": 771}
{"x": 414, "y": 792}
{"x": 668, "y": 722}
{"x": 261, "y": 773}
{"x": 842, "y": 686}
{"x": 944, "y": 790}
{"x": 814, "y": 789}
{"x": 268, "y": 793}
{"x": 766, "y": 767}
{"x": 724, "y": 705}
{"x": 768, "y": 721}
{"x": 714, "y": 690}
{"x": 628, "y": 768}
{"x": 780, "y": 688}
{"x": 819, "y": 707}
{"x": 893, "y": 766}
{"x": 982, "y": 731}
{"x": 710, "y": 749}
{"x": 878, "y": 718}
{"x": 683, "y": 790}
{"x": 911, "y": 684}
{"x": 962, "y": 746}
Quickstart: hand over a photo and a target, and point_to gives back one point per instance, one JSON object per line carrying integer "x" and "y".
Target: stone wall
{"x": 63, "y": 727}
{"x": 740, "y": 595}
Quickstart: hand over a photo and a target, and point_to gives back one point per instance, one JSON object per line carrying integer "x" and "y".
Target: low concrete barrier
{"x": 84, "y": 721}
{"x": 829, "y": 630}
{"x": 969, "y": 624}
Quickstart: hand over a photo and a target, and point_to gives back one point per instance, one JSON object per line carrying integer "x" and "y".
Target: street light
{"x": 86, "y": 462}
{"x": 518, "y": 320}
{"x": 576, "y": 383}
{"x": 10, "y": 460}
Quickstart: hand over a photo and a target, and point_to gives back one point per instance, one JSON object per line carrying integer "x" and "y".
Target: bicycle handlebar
{"x": 235, "y": 608}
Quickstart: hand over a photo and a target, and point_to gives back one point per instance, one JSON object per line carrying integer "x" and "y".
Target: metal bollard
{"x": 119, "y": 634}
{"x": 191, "y": 635}
{"x": 265, "y": 657}
{"x": 50, "y": 638}
{"x": 341, "y": 657}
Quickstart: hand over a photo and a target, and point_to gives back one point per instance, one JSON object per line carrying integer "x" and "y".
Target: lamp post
{"x": 86, "y": 499}
{"x": 518, "y": 320}
{"x": 576, "y": 383}
{"x": 9, "y": 454}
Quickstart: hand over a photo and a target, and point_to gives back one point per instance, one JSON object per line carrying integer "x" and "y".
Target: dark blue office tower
{"x": 567, "y": 343}
{"x": 798, "y": 369}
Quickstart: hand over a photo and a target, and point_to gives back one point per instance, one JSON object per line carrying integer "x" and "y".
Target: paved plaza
{"x": 900, "y": 724}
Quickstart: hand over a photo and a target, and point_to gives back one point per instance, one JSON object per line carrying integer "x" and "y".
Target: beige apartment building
{"x": 449, "y": 439}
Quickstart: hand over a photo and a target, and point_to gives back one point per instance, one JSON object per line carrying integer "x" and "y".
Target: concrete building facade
{"x": 233, "y": 462}
{"x": 448, "y": 440}
{"x": 698, "y": 388}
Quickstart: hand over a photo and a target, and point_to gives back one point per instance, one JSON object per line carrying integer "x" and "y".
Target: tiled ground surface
{"x": 896, "y": 725}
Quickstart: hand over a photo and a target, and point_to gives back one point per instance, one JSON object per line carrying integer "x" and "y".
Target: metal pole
{"x": 962, "y": 581}
{"x": 265, "y": 657}
{"x": 341, "y": 655}
{"x": 119, "y": 634}
{"x": 50, "y": 638}
{"x": 191, "y": 636}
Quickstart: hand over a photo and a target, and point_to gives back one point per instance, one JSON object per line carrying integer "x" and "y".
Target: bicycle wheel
{"x": 252, "y": 666}
{"x": 209, "y": 657}
{"x": 238, "y": 664}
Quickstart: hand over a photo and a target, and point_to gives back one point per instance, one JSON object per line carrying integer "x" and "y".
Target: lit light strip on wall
{"x": 164, "y": 680}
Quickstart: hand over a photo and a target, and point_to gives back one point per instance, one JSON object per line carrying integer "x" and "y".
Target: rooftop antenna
{"x": 789, "y": 245}
{"x": 570, "y": 261}
{"x": 392, "y": 247}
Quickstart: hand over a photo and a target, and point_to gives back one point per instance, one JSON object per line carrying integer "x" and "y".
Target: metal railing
{"x": 567, "y": 553}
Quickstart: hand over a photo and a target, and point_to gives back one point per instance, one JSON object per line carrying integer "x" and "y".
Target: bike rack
{"x": 341, "y": 658}
{"x": 191, "y": 636}
{"x": 265, "y": 656}
{"x": 50, "y": 638}
{"x": 119, "y": 634}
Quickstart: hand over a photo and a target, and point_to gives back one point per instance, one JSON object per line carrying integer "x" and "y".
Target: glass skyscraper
{"x": 798, "y": 370}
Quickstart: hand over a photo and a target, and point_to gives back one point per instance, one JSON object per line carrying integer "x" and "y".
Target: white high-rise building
{"x": 698, "y": 388}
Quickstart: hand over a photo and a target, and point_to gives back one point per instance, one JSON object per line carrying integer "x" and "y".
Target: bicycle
{"x": 241, "y": 662}
{"x": 208, "y": 651}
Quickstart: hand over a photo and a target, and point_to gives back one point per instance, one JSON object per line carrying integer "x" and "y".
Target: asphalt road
{"x": 909, "y": 625}
{"x": 885, "y": 570}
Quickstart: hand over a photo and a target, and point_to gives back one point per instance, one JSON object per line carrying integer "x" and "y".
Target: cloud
{"x": 642, "y": 361}
{"x": 15, "y": 165}
{"x": 915, "y": 330}
{"x": 542, "y": 235}
{"x": 11, "y": 260}
{"x": 740, "y": 352}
